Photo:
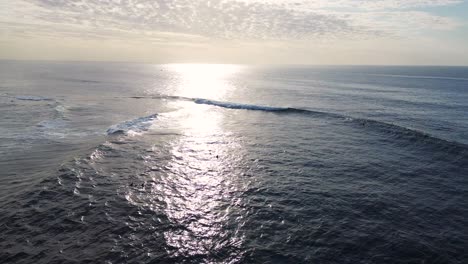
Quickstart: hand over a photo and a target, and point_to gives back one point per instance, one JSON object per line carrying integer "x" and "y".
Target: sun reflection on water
{"x": 212, "y": 81}
{"x": 201, "y": 189}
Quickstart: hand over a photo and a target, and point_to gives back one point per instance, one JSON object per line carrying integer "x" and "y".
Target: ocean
{"x": 205, "y": 163}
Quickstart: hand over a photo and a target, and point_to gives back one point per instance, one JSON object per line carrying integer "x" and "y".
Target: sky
{"x": 380, "y": 32}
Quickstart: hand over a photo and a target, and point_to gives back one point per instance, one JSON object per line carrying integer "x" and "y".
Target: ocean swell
{"x": 392, "y": 130}
{"x": 137, "y": 125}
{"x": 238, "y": 106}
{"x": 32, "y": 98}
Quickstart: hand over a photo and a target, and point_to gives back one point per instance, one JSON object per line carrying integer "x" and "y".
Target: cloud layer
{"x": 214, "y": 19}
{"x": 221, "y": 19}
{"x": 370, "y": 4}
{"x": 245, "y": 31}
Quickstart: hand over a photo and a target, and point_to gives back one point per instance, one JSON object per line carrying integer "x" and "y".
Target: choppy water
{"x": 126, "y": 163}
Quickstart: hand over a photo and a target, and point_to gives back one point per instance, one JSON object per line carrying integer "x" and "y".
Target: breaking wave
{"x": 394, "y": 129}
{"x": 241, "y": 106}
{"x": 32, "y": 98}
{"x": 134, "y": 126}
{"x": 381, "y": 125}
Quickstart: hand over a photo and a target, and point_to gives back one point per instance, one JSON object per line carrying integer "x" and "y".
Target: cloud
{"x": 214, "y": 19}
{"x": 246, "y": 31}
{"x": 405, "y": 23}
{"x": 200, "y": 20}
{"x": 360, "y": 4}
{"x": 404, "y": 4}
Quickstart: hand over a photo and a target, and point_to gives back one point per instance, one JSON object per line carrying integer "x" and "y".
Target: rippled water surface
{"x": 127, "y": 163}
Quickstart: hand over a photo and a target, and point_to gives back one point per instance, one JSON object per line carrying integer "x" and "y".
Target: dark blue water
{"x": 128, "y": 163}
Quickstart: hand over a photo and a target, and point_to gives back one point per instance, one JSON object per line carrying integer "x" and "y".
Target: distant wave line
{"x": 393, "y": 129}
{"x": 32, "y": 98}
{"x": 419, "y": 76}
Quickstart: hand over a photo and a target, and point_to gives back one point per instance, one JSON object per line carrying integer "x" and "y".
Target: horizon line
{"x": 231, "y": 63}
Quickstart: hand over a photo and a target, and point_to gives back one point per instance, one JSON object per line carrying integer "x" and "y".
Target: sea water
{"x": 185, "y": 163}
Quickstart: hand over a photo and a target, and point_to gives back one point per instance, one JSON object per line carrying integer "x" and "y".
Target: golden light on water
{"x": 202, "y": 182}
{"x": 207, "y": 81}
{"x": 195, "y": 173}
{"x": 210, "y": 81}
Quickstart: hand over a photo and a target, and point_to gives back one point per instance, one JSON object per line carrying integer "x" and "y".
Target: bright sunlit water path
{"x": 129, "y": 163}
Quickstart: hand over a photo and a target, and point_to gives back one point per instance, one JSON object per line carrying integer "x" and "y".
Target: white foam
{"x": 32, "y": 98}
{"x": 60, "y": 108}
{"x": 132, "y": 127}
{"x": 52, "y": 124}
{"x": 238, "y": 106}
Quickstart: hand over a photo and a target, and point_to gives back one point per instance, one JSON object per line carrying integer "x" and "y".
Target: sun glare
{"x": 200, "y": 160}
{"x": 210, "y": 81}
{"x": 207, "y": 81}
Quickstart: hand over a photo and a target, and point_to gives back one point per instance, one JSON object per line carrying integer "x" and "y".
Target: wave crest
{"x": 238, "y": 106}
{"x": 137, "y": 125}
{"x": 393, "y": 130}
{"x": 32, "y": 98}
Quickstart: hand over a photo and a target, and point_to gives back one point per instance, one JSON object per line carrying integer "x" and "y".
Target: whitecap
{"x": 238, "y": 106}
{"x": 32, "y": 98}
{"x": 132, "y": 127}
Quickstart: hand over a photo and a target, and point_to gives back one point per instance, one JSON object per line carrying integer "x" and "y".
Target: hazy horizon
{"x": 233, "y": 63}
{"x": 339, "y": 32}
